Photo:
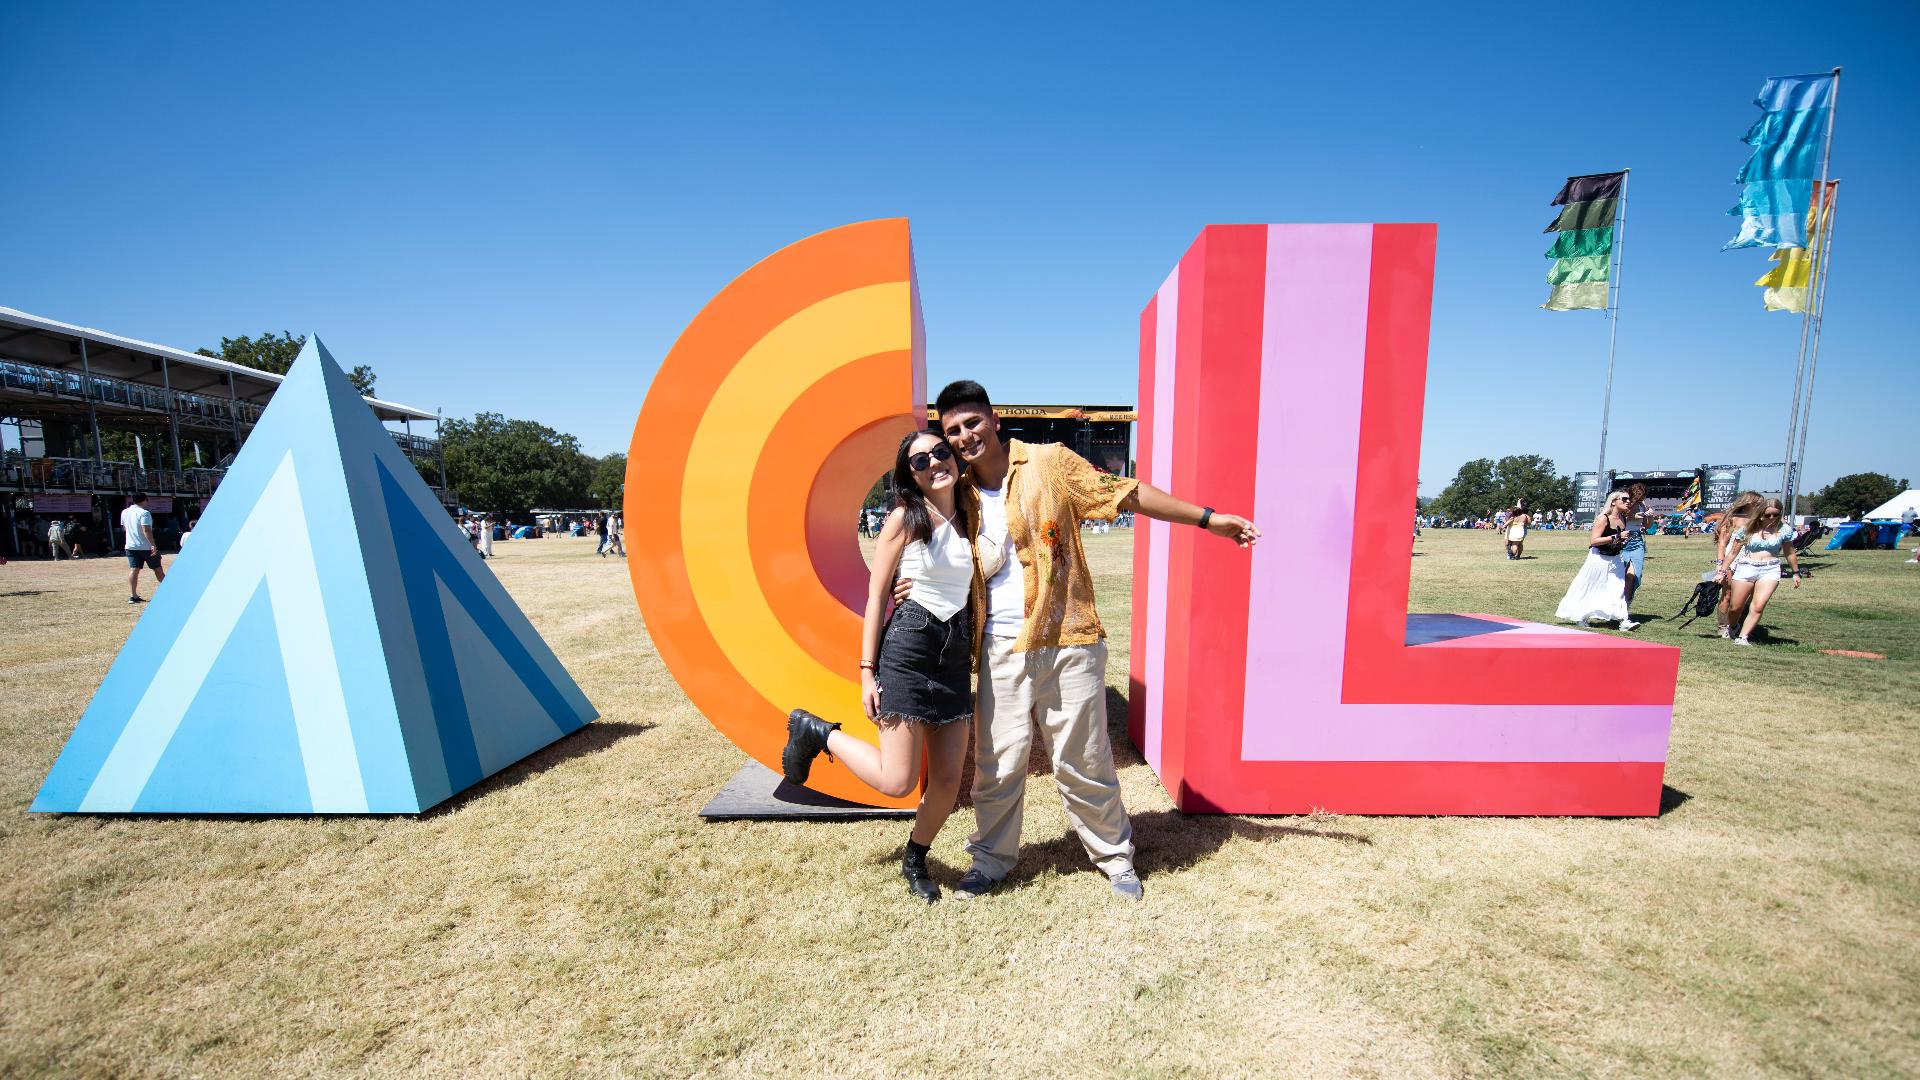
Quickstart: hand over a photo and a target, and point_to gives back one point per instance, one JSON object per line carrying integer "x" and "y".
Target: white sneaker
{"x": 1629, "y": 624}
{"x": 1727, "y": 632}
{"x": 1741, "y": 641}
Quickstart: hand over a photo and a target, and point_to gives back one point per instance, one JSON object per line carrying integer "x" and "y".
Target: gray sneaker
{"x": 973, "y": 884}
{"x": 1126, "y": 884}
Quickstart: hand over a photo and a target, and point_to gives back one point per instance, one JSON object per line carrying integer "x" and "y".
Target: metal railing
{"x": 189, "y": 407}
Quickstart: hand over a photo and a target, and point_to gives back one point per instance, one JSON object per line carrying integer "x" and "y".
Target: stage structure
{"x": 326, "y": 643}
{"x": 759, "y": 437}
{"x": 1292, "y": 678}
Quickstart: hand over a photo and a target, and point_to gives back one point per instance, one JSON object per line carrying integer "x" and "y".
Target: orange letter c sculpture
{"x": 766, "y": 425}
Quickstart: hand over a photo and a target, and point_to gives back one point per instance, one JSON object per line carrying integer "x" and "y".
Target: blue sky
{"x": 518, "y": 209}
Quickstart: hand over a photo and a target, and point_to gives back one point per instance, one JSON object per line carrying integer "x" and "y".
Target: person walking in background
{"x": 1755, "y": 567}
{"x": 1518, "y": 519}
{"x": 137, "y": 523}
{"x": 1599, "y": 590}
{"x": 916, "y": 675}
{"x": 617, "y": 534}
{"x": 486, "y": 536}
{"x": 602, "y": 530}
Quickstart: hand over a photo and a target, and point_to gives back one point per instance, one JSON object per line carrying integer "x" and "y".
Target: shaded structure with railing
{"x": 67, "y": 389}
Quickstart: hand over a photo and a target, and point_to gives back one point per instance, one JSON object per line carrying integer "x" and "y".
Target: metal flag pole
{"x": 1790, "y": 479}
{"x": 1613, "y": 333}
{"x": 1822, "y": 263}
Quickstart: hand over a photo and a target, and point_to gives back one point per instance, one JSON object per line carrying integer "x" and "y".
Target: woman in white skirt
{"x": 1599, "y": 590}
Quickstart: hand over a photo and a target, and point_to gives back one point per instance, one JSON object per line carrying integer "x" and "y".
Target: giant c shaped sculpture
{"x": 765, "y": 426}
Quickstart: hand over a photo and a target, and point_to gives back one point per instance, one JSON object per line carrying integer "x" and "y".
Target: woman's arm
{"x": 1793, "y": 559}
{"x": 886, "y": 559}
{"x": 1599, "y": 530}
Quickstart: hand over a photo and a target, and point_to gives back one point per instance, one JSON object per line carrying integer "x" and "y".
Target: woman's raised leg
{"x": 891, "y": 768}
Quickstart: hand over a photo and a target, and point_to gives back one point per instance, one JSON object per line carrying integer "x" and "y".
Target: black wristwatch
{"x": 1206, "y": 515}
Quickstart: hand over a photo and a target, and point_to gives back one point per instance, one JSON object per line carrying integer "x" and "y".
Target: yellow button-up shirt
{"x": 1050, "y": 490}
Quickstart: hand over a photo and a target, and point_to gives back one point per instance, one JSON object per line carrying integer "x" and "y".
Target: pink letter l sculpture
{"x": 1283, "y": 368}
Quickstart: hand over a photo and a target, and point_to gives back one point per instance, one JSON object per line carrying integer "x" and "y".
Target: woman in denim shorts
{"x": 915, "y": 675}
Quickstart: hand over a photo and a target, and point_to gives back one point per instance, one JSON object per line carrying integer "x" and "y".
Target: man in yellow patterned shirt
{"x": 1043, "y": 655}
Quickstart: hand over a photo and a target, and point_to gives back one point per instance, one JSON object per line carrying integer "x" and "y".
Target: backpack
{"x": 1704, "y": 599}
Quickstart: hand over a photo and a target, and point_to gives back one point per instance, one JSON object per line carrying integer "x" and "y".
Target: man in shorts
{"x": 137, "y": 523}
{"x": 1043, "y": 656}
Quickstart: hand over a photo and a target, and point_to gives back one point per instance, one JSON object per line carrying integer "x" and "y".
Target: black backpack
{"x": 1705, "y": 598}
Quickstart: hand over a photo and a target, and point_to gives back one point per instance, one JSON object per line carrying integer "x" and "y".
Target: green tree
{"x": 276, "y": 353}
{"x": 512, "y": 466}
{"x": 1472, "y": 492}
{"x": 1484, "y": 486}
{"x": 1533, "y": 478}
{"x": 609, "y": 476}
{"x": 1855, "y": 493}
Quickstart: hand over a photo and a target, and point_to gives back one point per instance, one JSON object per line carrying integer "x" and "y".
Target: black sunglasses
{"x": 920, "y": 461}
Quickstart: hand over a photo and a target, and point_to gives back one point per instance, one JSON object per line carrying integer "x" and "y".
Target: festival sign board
{"x": 1292, "y": 678}
{"x": 1722, "y": 485}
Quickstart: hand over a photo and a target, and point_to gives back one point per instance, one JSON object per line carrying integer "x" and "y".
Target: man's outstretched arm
{"x": 1151, "y": 501}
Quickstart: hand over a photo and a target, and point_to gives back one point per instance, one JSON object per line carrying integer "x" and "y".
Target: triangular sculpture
{"x": 327, "y": 642}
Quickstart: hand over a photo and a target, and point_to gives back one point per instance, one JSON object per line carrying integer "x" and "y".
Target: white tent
{"x": 1896, "y": 506}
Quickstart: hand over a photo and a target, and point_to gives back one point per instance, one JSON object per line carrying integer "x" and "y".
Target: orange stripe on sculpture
{"x": 766, "y": 424}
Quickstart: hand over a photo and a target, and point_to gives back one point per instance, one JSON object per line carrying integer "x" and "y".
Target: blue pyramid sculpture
{"x": 327, "y": 643}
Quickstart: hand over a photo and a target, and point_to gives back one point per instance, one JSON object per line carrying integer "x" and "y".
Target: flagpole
{"x": 1819, "y": 311}
{"x": 1613, "y": 333}
{"x": 1790, "y": 479}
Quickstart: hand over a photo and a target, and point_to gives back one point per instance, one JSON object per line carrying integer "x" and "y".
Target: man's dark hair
{"x": 139, "y": 497}
{"x": 964, "y": 392}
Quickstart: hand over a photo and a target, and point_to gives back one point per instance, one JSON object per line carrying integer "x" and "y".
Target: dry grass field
{"x": 574, "y": 915}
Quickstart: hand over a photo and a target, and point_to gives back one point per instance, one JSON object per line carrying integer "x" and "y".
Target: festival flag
{"x": 1583, "y": 251}
{"x": 1788, "y": 143}
{"x": 1691, "y": 500}
{"x": 1790, "y": 281}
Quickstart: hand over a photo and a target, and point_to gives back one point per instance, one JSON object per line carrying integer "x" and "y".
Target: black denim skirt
{"x": 925, "y": 672}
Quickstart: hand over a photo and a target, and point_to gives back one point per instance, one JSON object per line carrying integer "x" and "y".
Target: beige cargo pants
{"x": 1064, "y": 691}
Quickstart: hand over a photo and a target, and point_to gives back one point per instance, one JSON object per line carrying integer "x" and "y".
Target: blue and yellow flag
{"x": 1788, "y": 142}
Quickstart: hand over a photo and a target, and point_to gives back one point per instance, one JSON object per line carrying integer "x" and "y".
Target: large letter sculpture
{"x": 763, "y": 429}
{"x": 326, "y": 643}
{"x": 1283, "y": 368}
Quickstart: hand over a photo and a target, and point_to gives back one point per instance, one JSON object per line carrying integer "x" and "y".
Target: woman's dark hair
{"x": 907, "y": 494}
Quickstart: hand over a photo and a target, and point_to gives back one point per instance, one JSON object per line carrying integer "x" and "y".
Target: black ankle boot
{"x": 806, "y": 739}
{"x": 913, "y": 867}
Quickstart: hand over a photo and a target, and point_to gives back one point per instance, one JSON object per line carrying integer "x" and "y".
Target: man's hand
{"x": 1234, "y": 528}
{"x": 902, "y": 588}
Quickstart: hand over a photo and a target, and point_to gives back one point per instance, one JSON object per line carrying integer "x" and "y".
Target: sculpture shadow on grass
{"x": 590, "y": 739}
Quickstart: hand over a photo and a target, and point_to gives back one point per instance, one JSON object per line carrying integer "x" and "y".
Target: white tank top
{"x": 941, "y": 569}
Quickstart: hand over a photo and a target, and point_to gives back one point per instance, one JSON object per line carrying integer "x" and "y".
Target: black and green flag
{"x": 1582, "y": 253}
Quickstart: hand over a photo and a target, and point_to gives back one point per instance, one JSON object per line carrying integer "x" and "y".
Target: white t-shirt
{"x": 131, "y": 520}
{"x": 941, "y": 569}
{"x": 1007, "y": 588}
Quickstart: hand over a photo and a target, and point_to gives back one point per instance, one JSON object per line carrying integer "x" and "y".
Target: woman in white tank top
{"x": 916, "y": 671}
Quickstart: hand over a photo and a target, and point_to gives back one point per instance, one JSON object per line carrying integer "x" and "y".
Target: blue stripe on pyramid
{"x": 431, "y": 566}
{"x": 287, "y": 668}
{"x": 237, "y": 749}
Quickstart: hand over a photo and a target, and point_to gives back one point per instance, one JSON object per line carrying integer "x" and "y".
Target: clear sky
{"x": 517, "y": 209}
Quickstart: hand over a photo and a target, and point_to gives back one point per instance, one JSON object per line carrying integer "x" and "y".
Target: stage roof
{"x": 36, "y": 339}
{"x": 1094, "y": 413}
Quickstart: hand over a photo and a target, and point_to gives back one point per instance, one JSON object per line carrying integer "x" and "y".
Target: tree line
{"x": 494, "y": 463}
{"x": 1484, "y": 487}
